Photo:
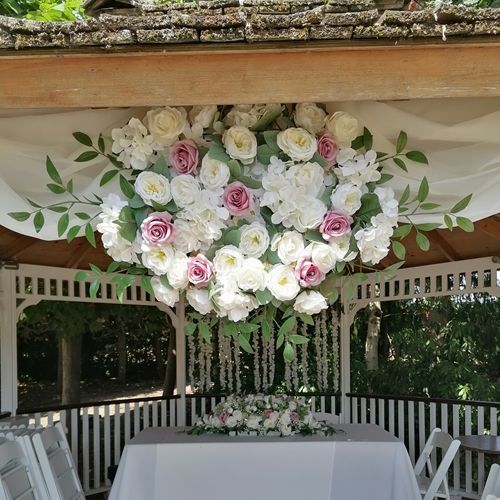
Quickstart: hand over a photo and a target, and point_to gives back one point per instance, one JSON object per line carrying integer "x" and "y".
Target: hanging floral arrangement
{"x": 246, "y": 210}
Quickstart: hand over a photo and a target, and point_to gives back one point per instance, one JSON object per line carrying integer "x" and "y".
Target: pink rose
{"x": 200, "y": 270}
{"x": 238, "y": 199}
{"x": 336, "y": 223}
{"x": 267, "y": 412}
{"x": 308, "y": 273}
{"x": 223, "y": 417}
{"x": 294, "y": 416}
{"x": 183, "y": 156}
{"x": 327, "y": 147}
{"x": 157, "y": 229}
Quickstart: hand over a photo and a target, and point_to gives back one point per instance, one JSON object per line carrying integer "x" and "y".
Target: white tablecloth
{"x": 362, "y": 462}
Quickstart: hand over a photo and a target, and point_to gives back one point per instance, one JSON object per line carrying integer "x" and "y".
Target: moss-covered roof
{"x": 248, "y": 21}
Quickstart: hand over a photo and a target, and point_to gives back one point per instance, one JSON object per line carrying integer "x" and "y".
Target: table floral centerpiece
{"x": 252, "y": 212}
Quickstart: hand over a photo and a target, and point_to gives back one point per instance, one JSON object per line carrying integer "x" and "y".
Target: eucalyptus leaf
{"x": 56, "y": 189}
{"x": 83, "y": 138}
{"x": 398, "y": 249}
{"x": 288, "y": 326}
{"x": 288, "y": 352}
{"x": 94, "y": 288}
{"x": 126, "y": 187}
{"x": 428, "y": 226}
{"x": 417, "y": 156}
{"x": 107, "y": 177}
{"x": 146, "y": 284}
{"x": 448, "y": 222}
{"x": 298, "y": 339}
{"x": 234, "y": 168}
{"x": 62, "y": 224}
{"x": 401, "y": 142}
{"x": 87, "y": 156}
{"x": 465, "y": 224}
{"x": 20, "y": 216}
{"x": 72, "y": 233}
{"x": 314, "y": 236}
{"x": 89, "y": 234}
{"x": 38, "y": 221}
{"x": 400, "y": 163}
{"x": 423, "y": 190}
{"x": 461, "y": 205}
{"x": 52, "y": 171}
{"x": 218, "y": 153}
{"x": 249, "y": 182}
{"x": 271, "y": 138}
{"x": 422, "y": 242}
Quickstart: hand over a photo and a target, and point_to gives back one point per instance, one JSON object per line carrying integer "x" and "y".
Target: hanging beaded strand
{"x": 324, "y": 348}
{"x": 271, "y": 353}
{"x": 191, "y": 358}
{"x": 256, "y": 362}
{"x": 222, "y": 356}
{"x": 336, "y": 349}
{"x": 265, "y": 359}
{"x": 208, "y": 365}
{"x": 304, "y": 357}
{"x": 201, "y": 363}
{"x": 318, "y": 357}
{"x": 236, "y": 350}
{"x": 294, "y": 368}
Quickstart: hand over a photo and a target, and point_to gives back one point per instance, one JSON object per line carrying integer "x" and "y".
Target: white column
{"x": 8, "y": 341}
{"x": 180, "y": 360}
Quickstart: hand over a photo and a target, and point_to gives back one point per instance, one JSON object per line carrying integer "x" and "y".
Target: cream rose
{"x": 185, "y": 190}
{"x": 310, "y": 213}
{"x": 202, "y": 115}
{"x": 153, "y": 187}
{"x": 343, "y": 127}
{"x": 186, "y": 239}
{"x": 289, "y": 246}
{"x": 240, "y": 144}
{"x": 310, "y": 303}
{"x": 347, "y": 198}
{"x": 157, "y": 258}
{"x": 309, "y": 116}
{"x": 323, "y": 256}
{"x": 166, "y": 124}
{"x": 308, "y": 176}
{"x": 251, "y": 276}
{"x": 282, "y": 282}
{"x": 214, "y": 174}
{"x": 227, "y": 260}
{"x": 297, "y": 143}
{"x": 163, "y": 293}
{"x": 198, "y": 300}
{"x": 254, "y": 239}
{"x": 177, "y": 272}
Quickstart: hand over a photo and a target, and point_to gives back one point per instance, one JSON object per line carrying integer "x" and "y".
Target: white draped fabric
{"x": 460, "y": 137}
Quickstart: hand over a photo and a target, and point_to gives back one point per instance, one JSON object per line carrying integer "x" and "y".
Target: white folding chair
{"x": 56, "y": 463}
{"x": 434, "y": 483}
{"x": 492, "y": 487}
{"x": 16, "y": 477}
{"x": 329, "y": 418}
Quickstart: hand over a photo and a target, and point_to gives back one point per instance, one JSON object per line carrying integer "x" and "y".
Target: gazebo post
{"x": 345, "y": 359}
{"x": 180, "y": 359}
{"x": 8, "y": 341}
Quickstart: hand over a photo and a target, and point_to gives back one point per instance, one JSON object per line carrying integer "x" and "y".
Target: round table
{"x": 489, "y": 445}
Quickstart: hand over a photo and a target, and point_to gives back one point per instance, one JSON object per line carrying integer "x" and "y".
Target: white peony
{"x": 163, "y": 293}
{"x": 254, "y": 239}
{"x": 234, "y": 304}
{"x": 340, "y": 247}
{"x": 309, "y": 116}
{"x": 203, "y": 115}
{"x": 177, "y": 271}
{"x": 374, "y": 241}
{"x": 289, "y": 246}
{"x": 198, "y": 299}
{"x": 240, "y": 144}
{"x": 358, "y": 169}
{"x": 251, "y": 276}
{"x": 253, "y": 422}
{"x": 111, "y": 207}
{"x": 282, "y": 282}
{"x": 343, "y": 127}
{"x": 323, "y": 256}
{"x": 388, "y": 203}
{"x": 153, "y": 187}
{"x": 157, "y": 258}
{"x": 309, "y": 213}
{"x": 347, "y": 198}
{"x": 227, "y": 260}
{"x": 186, "y": 239}
{"x": 166, "y": 124}
{"x": 310, "y": 303}
{"x": 307, "y": 176}
{"x": 214, "y": 174}
{"x": 185, "y": 190}
{"x": 117, "y": 247}
{"x": 297, "y": 143}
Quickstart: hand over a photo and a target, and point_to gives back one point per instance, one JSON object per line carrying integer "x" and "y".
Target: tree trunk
{"x": 71, "y": 369}
{"x": 170, "y": 371}
{"x": 160, "y": 363}
{"x": 372, "y": 336}
{"x": 59, "y": 365}
{"x": 122, "y": 357}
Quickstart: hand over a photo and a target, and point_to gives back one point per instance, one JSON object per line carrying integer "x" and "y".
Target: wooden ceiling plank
{"x": 18, "y": 247}
{"x": 443, "y": 246}
{"x": 489, "y": 226}
{"x": 200, "y": 76}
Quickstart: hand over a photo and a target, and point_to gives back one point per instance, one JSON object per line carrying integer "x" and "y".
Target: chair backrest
{"x": 327, "y": 417}
{"x": 438, "y": 440}
{"x": 16, "y": 477}
{"x": 57, "y": 464}
{"x": 492, "y": 486}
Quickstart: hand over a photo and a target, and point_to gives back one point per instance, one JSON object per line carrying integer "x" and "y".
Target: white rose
{"x": 186, "y": 239}
{"x": 309, "y": 116}
{"x": 347, "y": 197}
{"x": 309, "y": 176}
{"x": 254, "y": 239}
{"x": 157, "y": 258}
{"x": 198, "y": 300}
{"x": 323, "y": 256}
{"x": 240, "y": 144}
{"x": 310, "y": 303}
{"x": 309, "y": 214}
{"x": 289, "y": 246}
{"x": 297, "y": 143}
{"x": 177, "y": 272}
{"x": 163, "y": 293}
{"x": 153, "y": 187}
{"x": 241, "y": 115}
{"x": 166, "y": 124}
{"x": 343, "y": 127}
{"x": 228, "y": 260}
{"x": 185, "y": 190}
{"x": 251, "y": 276}
{"x": 253, "y": 422}
{"x": 282, "y": 282}
{"x": 340, "y": 247}
{"x": 202, "y": 115}
{"x": 233, "y": 304}
{"x": 214, "y": 174}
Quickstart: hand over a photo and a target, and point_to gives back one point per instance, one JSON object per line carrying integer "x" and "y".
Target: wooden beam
{"x": 20, "y": 245}
{"x": 444, "y": 247}
{"x": 489, "y": 226}
{"x": 285, "y": 72}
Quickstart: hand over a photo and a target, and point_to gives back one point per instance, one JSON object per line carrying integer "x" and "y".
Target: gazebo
{"x": 256, "y": 51}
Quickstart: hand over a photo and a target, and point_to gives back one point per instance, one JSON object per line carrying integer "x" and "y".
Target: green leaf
{"x": 461, "y": 205}
{"x": 357, "y": 143}
{"x": 402, "y": 231}
{"x": 249, "y": 182}
{"x": 52, "y": 171}
{"x": 429, "y": 206}
{"x": 232, "y": 237}
{"x": 370, "y": 206}
{"x": 279, "y": 341}
{"x": 423, "y": 242}
{"x": 83, "y": 138}
{"x": 161, "y": 167}
{"x": 56, "y": 189}
{"x": 62, "y": 224}
{"x": 218, "y": 153}
{"x": 417, "y": 156}
{"x": 89, "y": 234}
{"x": 72, "y": 233}
{"x": 100, "y": 144}
{"x": 113, "y": 266}
{"x": 263, "y": 296}
{"x": 428, "y": 226}
{"x": 298, "y": 339}
{"x": 325, "y": 197}
{"x": 126, "y": 187}
{"x": 107, "y": 176}
{"x": 401, "y": 142}
{"x": 367, "y": 139}
{"x": 465, "y": 224}
{"x": 423, "y": 190}
{"x": 288, "y": 352}
{"x": 400, "y": 163}
{"x": 314, "y": 236}
{"x": 95, "y": 269}
{"x": 34, "y": 204}
{"x": 266, "y": 329}
{"x": 204, "y": 331}
{"x": 136, "y": 202}
{"x": 245, "y": 345}
{"x": 58, "y": 209}
{"x": 87, "y": 156}
{"x": 266, "y": 120}
{"x": 449, "y": 222}
{"x": 82, "y": 215}
{"x": 385, "y": 178}
{"x": 399, "y": 250}
{"x": 306, "y": 318}
{"x": 271, "y": 138}
{"x": 94, "y": 288}
{"x": 20, "y": 216}
{"x": 234, "y": 168}
{"x": 146, "y": 284}
{"x": 264, "y": 154}
{"x": 81, "y": 276}
{"x": 128, "y": 230}
{"x": 69, "y": 186}
{"x": 38, "y": 221}
{"x": 287, "y": 326}
{"x": 405, "y": 196}
{"x": 190, "y": 328}
{"x": 317, "y": 158}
